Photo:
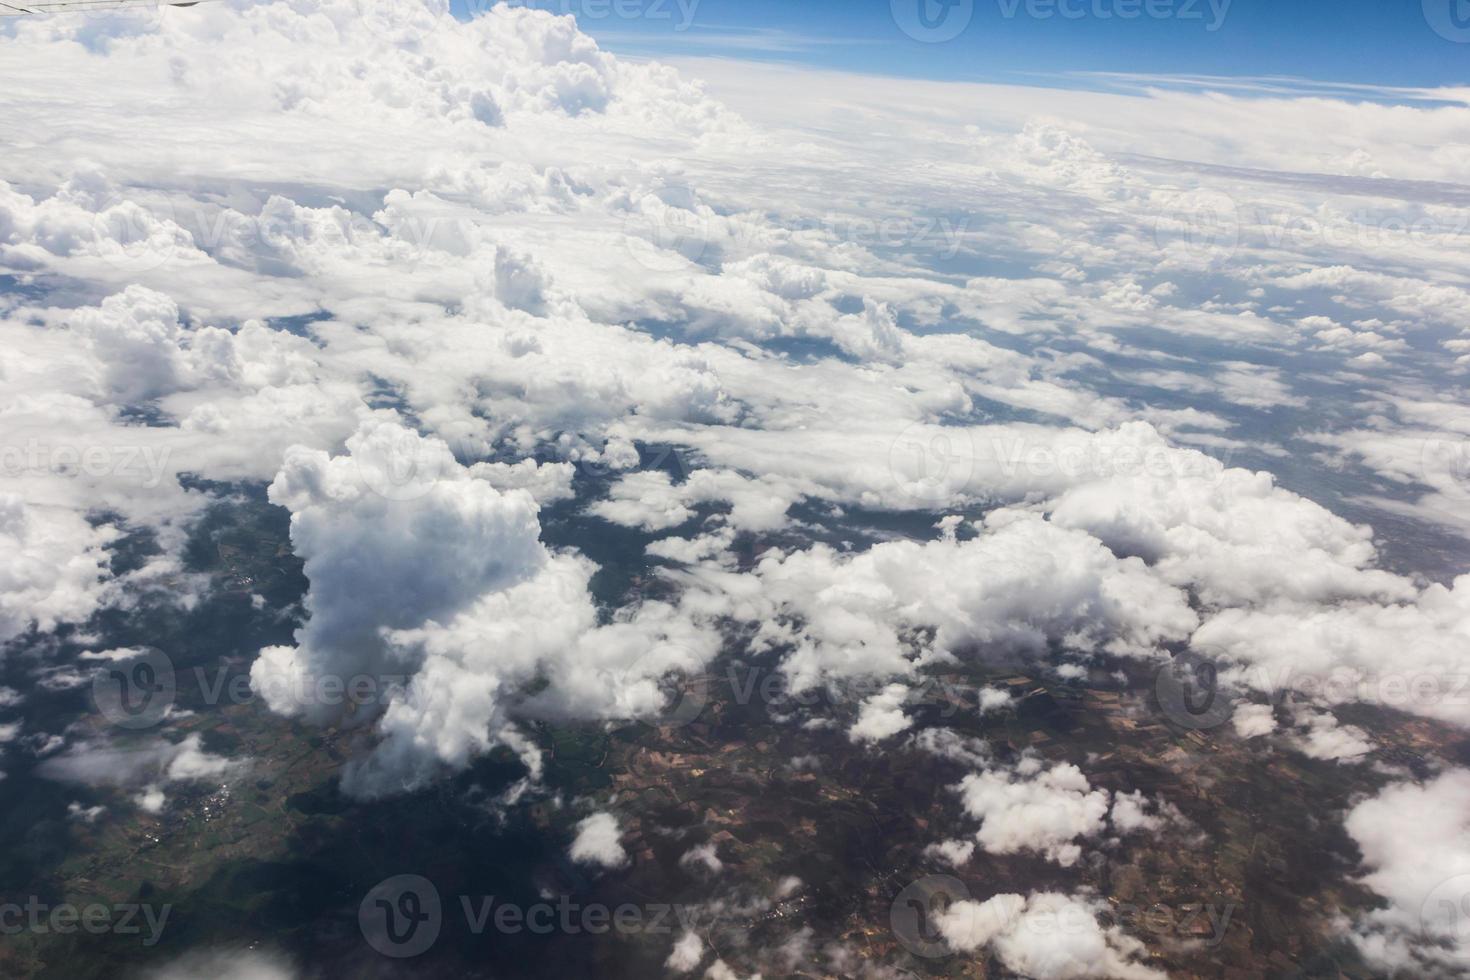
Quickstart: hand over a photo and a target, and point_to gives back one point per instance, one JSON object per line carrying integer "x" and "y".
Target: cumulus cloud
{"x": 1130, "y": 813}
{"x": 1035, "y": 808}
{"x": 393, "y": 535}
{"x": 702, "y": 856}
{"x": 1363, "y": 651}
{"x": 882, "y": 716}
{"x": 1022, "y": 583}
{"x": 1413, "y": 837}
{"x": 687, "y": 952}
{"x": 1326, "y": 738}
{"x": 953, "y": 852}
{"x": 53, "y": 565}
{"x": 1049, "y": 936}
{"x": 433, "y": 589}
{"x": 1253, "y": 720}
{"x": 547, "y": 483}
{"x": 599, "y": 842}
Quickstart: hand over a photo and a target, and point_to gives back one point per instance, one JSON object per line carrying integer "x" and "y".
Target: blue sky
{"x": 1372, "y": 42}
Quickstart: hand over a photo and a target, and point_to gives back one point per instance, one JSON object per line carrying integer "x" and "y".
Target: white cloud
{"x": 1326, "y": 738}
{"x": 435, "y": 588}
{"x": 956, "y": 853}
{"x": 1253, "y": 720}
{"x": 599, "y": 842}
{"x": 1048, "y": 936}
{"x": 1022, "y": 583}
{"x": 687, "y": 953}
{"x": 1035, "y": 808}
{"x": 1414, "y": 842}
{"x": 52, "y": 566}
{"x": 547, "y": 483}
{"x": 702, "y": 856}
{"x": 882, "y": 716}
{"x": 1130, "y": 813}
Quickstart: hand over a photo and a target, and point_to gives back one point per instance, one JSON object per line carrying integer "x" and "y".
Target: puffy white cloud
{"x": 1253, "y": 720}
{"x": 599, "y": 841}
{"x": 1130, "y": 814}
{"x": 702, "y": 856}
{"x": 1048, "y": 936}
{"x": 1415, "y": 840}
{"x": 135, "y": 335}
{"x": 547, "y": 483}
{"x": 882, "y": 716}
{"x": 433, "y": 588}
{"x": 393, "y": 535}
{"x": 1021, "y": 584}
{"x": 953, "y": 852}
{"x": 53, "y": 564}
{"x": 1326, "y": 738}
{"x": 653, "y": 501}
{"x": 1229, "y": 533}
{"x": 84, "y": 814}
{"x": 1035, "y": 808}
{"x": 687, "y": 952}
{"x": 1406, "y": 656}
